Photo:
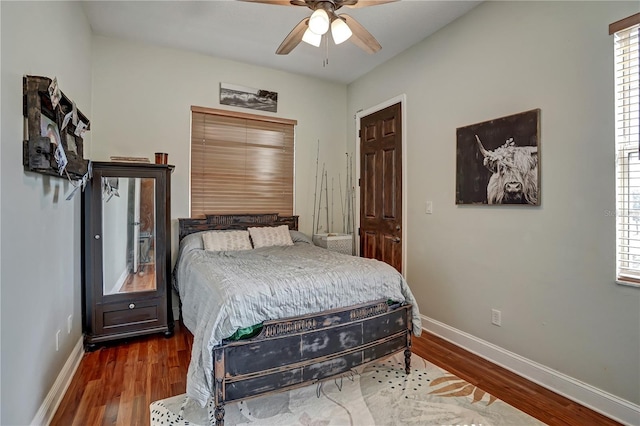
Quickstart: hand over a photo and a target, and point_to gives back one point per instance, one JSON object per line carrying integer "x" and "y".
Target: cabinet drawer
{"x": 128, "y": 316}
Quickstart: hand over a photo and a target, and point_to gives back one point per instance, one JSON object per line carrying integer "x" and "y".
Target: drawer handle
{"x": 97, "y": 237}
{"x": 131, "y": 306}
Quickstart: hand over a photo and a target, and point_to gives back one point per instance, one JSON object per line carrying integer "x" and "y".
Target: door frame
{"x": 402, "y": 99}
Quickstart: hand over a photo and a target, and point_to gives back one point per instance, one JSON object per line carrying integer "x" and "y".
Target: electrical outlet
{"x": 429, "y": 207}
{"x": 496, "y": 317}
{"x": 57, "y": 340}
{"x": 69, "y": 323}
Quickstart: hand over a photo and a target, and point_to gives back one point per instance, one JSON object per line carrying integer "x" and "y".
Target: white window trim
{"x": 627, "y": 142}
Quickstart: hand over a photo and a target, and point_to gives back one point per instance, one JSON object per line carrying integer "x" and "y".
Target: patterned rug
{"x": 378, "y": 394}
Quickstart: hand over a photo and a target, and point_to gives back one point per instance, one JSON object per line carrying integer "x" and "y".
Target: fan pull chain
{"x": 325, "y": 62}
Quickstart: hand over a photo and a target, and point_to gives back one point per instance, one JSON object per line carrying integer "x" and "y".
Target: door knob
{"x": 397, "y": 227}
{"x": 97, "y": 237}
{"x": 396, "y": 240}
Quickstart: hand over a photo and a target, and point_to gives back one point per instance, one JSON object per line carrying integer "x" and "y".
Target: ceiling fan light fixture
{"x": 319, "y": 21}
{"x": 312, "y": 38}
{"x": 340, "y": 31}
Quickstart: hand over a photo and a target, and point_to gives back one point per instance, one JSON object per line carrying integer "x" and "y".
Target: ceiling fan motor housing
{"x": 324, "y": 16}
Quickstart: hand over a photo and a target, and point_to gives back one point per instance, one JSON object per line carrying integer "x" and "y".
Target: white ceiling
{"x": 251, "y": 32}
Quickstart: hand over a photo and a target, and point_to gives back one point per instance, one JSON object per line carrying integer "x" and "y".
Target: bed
{"x": 310, "y": 314}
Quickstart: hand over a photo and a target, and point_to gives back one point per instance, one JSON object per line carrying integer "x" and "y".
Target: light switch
{"x": 429, "y": 209}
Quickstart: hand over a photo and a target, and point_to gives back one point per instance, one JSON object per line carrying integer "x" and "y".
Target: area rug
{"x": 378, "y": 394}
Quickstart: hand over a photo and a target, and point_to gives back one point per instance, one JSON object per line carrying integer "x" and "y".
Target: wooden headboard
{"x": 235, "y": 221}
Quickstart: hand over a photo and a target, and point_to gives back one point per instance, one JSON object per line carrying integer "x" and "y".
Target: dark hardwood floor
{"x": 115, "y": 384}
{"x": 526, "y": 396}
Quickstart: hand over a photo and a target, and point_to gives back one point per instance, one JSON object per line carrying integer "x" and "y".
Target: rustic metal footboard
{"x": 297, "y": 351}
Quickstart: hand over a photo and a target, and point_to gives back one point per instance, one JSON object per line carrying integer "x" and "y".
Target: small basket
{"x": 341, "y": 243}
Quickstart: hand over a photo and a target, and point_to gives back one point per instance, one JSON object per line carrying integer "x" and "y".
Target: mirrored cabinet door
{"x": 126, "y": 252}
{"x": 128, "y": 234}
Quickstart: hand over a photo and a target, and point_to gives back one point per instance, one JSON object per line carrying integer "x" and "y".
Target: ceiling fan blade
{"x": 279, "y": 2}
{"x": 294, "y": 38}
{"x": 361, "y": 37}
{"x": 354, "y": 4}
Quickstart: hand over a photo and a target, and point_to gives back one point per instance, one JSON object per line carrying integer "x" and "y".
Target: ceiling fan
{"x": 324, "y": 16}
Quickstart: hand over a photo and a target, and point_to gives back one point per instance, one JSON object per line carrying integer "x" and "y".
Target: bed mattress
{"x": 221, "y": 292}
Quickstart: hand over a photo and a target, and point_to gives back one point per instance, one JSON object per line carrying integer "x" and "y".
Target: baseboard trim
{"x": 587, "y": 395}
{"x": 56, "y": 393}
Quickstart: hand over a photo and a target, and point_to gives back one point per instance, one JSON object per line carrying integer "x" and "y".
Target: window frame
{"x": 255, "y": 119}
{"x": 627, "y": 143}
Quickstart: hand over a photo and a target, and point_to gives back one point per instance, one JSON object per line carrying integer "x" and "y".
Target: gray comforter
{"x": 223, "y": 291}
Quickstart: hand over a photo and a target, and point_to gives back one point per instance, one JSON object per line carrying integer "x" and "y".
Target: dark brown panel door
{"x": 381, "y": 186}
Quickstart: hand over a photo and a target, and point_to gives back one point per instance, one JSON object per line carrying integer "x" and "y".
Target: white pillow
{"x": 270, "y": 236}
{"x": 226, "y": 241}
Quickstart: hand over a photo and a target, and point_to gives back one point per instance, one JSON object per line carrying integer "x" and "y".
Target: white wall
{"x": 549, "y": 269}
{"x": 142, "y": 97}
{"x": 40, "y": 249}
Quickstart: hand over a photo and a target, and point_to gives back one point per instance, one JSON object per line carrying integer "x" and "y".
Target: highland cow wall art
{"x": 498, "y": 161}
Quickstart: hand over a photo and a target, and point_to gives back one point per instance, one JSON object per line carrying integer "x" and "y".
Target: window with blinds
{"x": 240, "y": 163}
{"x": 627, "y": 120}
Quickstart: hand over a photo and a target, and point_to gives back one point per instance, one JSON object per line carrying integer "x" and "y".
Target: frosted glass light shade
{"x": 312, "y": 38}
{"x": 319, "y": 22}
{"x": 340, "y": 31}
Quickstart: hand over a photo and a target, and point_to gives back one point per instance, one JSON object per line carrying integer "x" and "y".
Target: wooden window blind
{"x": 627, "y": 120}
{"x": 240, "y": 163}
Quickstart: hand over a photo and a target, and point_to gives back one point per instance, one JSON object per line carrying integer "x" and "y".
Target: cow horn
{"x": 482, "y": 150}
